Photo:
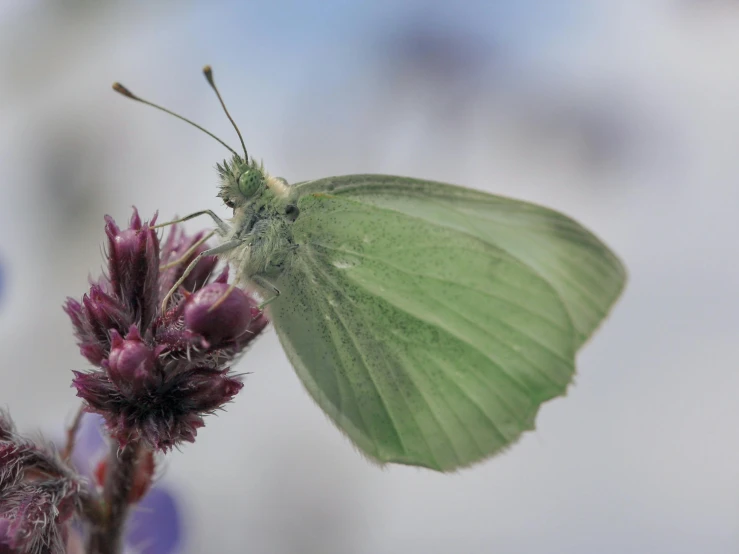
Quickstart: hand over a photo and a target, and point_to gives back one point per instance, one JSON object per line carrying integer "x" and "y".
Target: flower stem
{"x": 72, "y": 433}
{"x": 106, "y": 537}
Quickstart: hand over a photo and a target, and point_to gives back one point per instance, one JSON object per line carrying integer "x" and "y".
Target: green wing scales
{"x": 587, "y": 275}
{"x": 424, "y": 325}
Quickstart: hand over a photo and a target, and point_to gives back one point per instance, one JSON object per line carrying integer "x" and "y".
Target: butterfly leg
{"x": 220, "y": 249}
{"x": 223, "y": 227}
{"x": 223, "y": 297}
{"x": 188, "y": 253}
{"x": 262, "y": 282}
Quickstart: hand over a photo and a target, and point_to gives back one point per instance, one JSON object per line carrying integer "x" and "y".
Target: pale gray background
{"x": 624, "y": 114}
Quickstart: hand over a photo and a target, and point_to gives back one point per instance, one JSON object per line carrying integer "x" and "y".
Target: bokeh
{"x": 623, "y": 114}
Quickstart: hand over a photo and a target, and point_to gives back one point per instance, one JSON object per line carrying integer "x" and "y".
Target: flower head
{"x": 159, "y": 373}
{"x": 39, "y": 495}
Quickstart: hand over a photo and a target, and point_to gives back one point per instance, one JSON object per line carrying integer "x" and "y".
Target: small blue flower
{"x": 155, "y": 523}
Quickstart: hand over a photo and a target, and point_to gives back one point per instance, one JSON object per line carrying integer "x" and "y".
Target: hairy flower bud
{"x": 174, "y": 248}
{"x": 39, "y": 495}
{"x": 210, "y": 389}
{"x": 93, "y": 319}
{"x": 133, "y": 267}
{"x": 131, "y": 362}
{"x": 217, "y": 317}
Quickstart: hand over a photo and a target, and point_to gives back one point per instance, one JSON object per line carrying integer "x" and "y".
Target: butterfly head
{"x": 242, "y": 181}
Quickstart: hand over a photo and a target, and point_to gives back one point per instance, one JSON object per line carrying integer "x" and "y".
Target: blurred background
{"x": 624, "y": 115}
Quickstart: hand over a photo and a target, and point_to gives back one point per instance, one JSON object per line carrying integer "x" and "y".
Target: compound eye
{"x": 292, "y": 212}
{"x": 249, "y": 182}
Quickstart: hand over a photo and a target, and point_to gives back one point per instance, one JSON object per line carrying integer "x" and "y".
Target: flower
{"x": 39, "y": 495}
{"x": 158, "y": 373}
{"x": 155, "y": 522}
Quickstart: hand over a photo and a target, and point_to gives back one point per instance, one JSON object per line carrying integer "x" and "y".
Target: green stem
{"x": 106, "y": 538}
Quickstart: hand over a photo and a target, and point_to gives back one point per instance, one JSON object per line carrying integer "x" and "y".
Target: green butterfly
{"x": 429, "y": 321}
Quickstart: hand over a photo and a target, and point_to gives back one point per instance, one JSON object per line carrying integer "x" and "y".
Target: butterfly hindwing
{"x": 424, "y": 343}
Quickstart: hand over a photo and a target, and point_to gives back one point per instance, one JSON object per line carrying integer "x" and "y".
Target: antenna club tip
{"x": 120, "y": 89}
{"x": 208, "y": 72}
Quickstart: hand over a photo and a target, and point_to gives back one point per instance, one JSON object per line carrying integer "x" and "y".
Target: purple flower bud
{"x": 32, "y": 514}
{"x": 208, "y": 389}
{"x": 216, "y": 318}
{"x": 96, "y": 388}
{"x": 131, "y": 362}
{"x": 104, "y": 313}
{"x": 172, "y": 250}
{"x": 133, "y": 266}
{"x": 39, "y": 494}
{"x": 93, "y": 319}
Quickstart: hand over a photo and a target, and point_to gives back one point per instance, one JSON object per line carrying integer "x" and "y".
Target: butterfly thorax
{"x": 262, "y": 221}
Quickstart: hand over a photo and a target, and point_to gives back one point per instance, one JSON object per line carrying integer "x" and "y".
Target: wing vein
{"x": 371, "y": 375}
{"x": 338, "y": 385}
{"x": 484, "y": 293}
{"x": 507, "y": 347}
{"x": 520, "y": 385}
{"x": 467, "y": 395}
{"x": 445, "y": 371}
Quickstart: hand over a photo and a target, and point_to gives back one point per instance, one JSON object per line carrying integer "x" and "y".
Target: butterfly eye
{"x": 292, "y": 212}
{"x": 249, "y": 183}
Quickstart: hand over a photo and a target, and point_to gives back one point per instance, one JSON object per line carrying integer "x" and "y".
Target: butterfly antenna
{"x": 120, "y": 89}
{"x": 208, "y": 72}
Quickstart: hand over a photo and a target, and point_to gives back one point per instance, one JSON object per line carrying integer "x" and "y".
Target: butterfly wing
{"x": 584, "y": 272}
{"x": 426, "y": 343}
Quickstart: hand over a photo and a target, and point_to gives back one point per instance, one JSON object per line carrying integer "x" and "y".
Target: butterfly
{"x": 429, "y": 321}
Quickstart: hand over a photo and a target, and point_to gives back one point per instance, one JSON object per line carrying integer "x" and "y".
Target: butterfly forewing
{"x": 584, "y": 272}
